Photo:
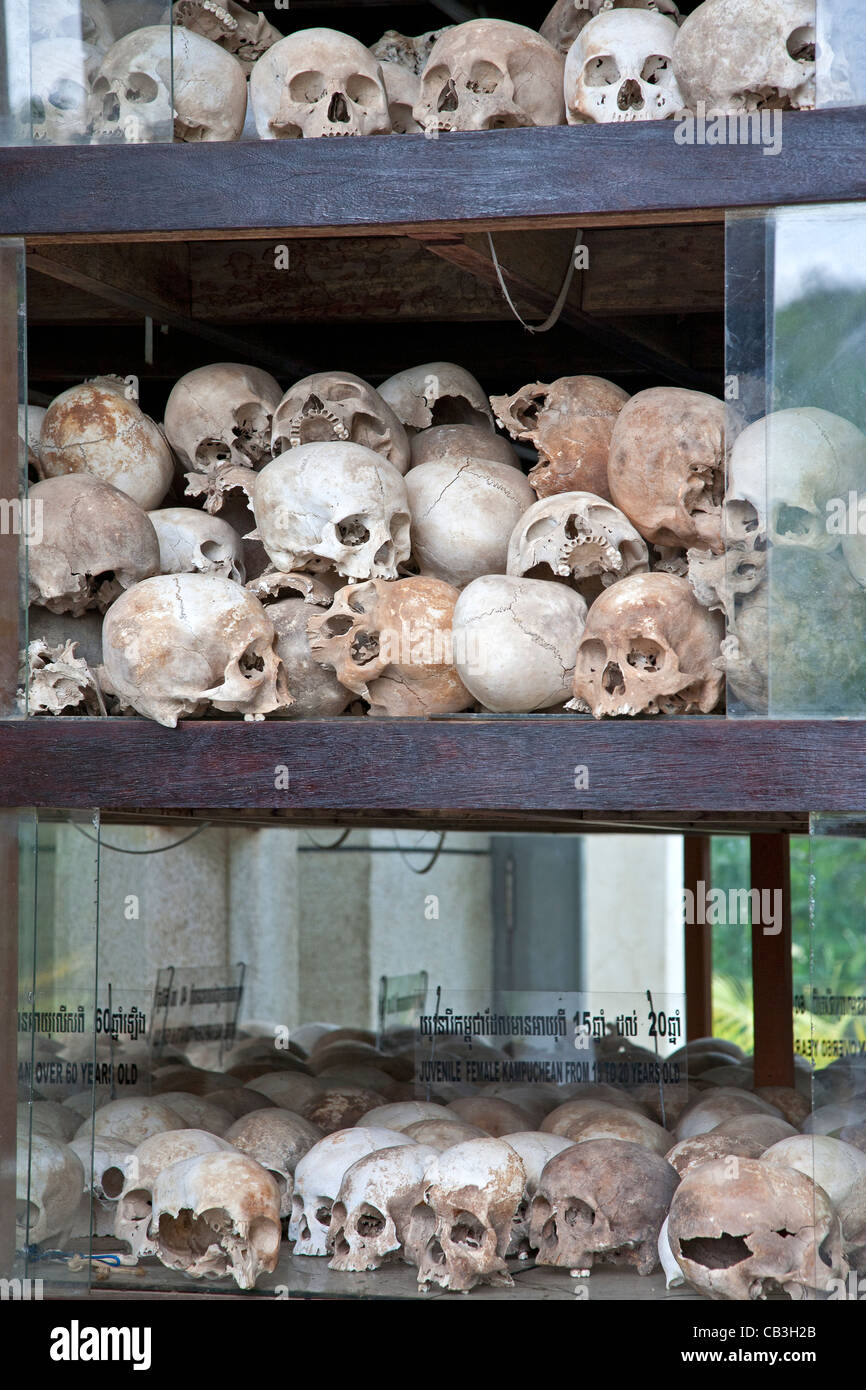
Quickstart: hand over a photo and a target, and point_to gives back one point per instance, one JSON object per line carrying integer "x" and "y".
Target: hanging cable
{"x": 117, "y": 849}
{"x": 335, "y": 844}
{"x": 558, "y": 307}
{"x": 433, "y": 857}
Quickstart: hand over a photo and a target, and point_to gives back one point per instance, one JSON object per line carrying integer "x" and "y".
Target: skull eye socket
{"x": 112, "y": 1182}
{"x": 645, "y": 655}
{"x": 363, "y": 91}
{"x": 593, "y": 655}
{"x": 213, "y": 452}
{"x": 484, "y": 77}
{"x": 352, "y": 532}
{"x": 141, "y": 87}
{"x": 794, "y": 521}
{"x": 801, "y": 44}
{"x": 67, "y": 95}
{"x": 370, "y": 1222}
{"x": 323, "y": 1215}
{"x": 578, "y": 1211}
{"x": 307, "y": 87}
{"x": 251, "y": 663}
{"x": 601, "y": 72}
{"x": 654, "y": 69}
{"x": 337, "y": 627}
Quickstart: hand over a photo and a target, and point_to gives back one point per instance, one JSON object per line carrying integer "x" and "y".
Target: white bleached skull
{"x": 576, "y": 536}
{"x": 95, "y": 543}
{"x": 62, "y": 71}
{"x": 831, "y": 1163}
{"x": 648, "y": 647}
{"x": 463, "y": 513}
{"x": 104, "y": 1178}
{"x": 318, "y": 82}
{"x": 436, "y": 393}
{"x": 602, "y": 1201}
{"x": 84, "y": 20}
{"x": 318, "y": 1176}
{"x": 621, "y": 69}
{"x": 488, "y": 74}
{"x": 735, "y": 55}
{"x": 569, "y": 17}
{"x": 97, "y": 428}
{"x": 49, "y": 1183}
{"x": 132, "y": 1120}
{"x": 278, "y": 1140}
{"x": 339, "y": 506}
{"x": 132, "y": 1218}
{"x": 247, "y": 36}
{"x": 216, "y": 1214}
{"x": 193, "y": 542}
{"x": 371, "y": 1213}
{"x": 390, "y": 642}
{"x": 403, "y": 90}
{"x": 461, "y": 1228}
{"x": 177, "y": 644}
{"x": 222, "y": 414}
{"x": 336, "y": 406}
{"x": 742, "y": 1229}
{"x": 156, "y": 84}
{"x": 535, "y": 1150}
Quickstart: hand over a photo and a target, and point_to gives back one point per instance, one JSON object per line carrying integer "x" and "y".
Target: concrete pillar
{"x": 632, "y": 913}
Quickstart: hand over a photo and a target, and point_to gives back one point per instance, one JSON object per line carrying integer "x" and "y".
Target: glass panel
{"x": 19, "y": 525}
{"x": 80, "y": 72}
{"x": 841, "y": 54}
{"x": 56, "y": 1052}
{"x": 795, "y": 507}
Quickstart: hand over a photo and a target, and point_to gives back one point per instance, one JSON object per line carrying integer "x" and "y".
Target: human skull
{"x": 488, "y": 74}
{"x": 103, "y": 1161}
{"x": 54, "y": 679}
{"x": 734, "y": 55}
{"x": 62, "y": 71}
{"x": 666, "y": 466}
{"x": 222, "y": 414}
{"x": 455, "y": 444}
{"x": 318, "y": 1177}
{"x": 338, "y": 1105}
{"x": 197, "y": 1112}
{"x": 87, "y": 21}
{"x": 515, "y": 641}
{"x": 764, "y": 1129}
{"x": 317, "y": 692}
{"x": 569, "y": 423}
{"x": 576, "y": 536}
{"x": 160, "y": 83}
{"x": 709, "y": 1109}
{"x": 95, "y": 428}
{"x": 215, "y": 1214}
{"x": 177, "y": 644}
{"x": 580, "y": 1122}
{"x": 602, "y": 1201}
{"x": 493, "y": 1114}
{"x": 621, "y": 68}
{"x": 569, "y": 17}
{"x": 720, "y": 581}
{"x": 132, "y": 1220}
{"x": 287, "y": 1090}
{"x": 132, "y": 1120}
{"x": 30, "y": 419}
{"x": 852, "y": 1214}
{"x": 409, "y": 53}
{"x": 371, "y": 1213}
{"x": 742, "y": 1228}
{"x": 648, "y": 648}
{"x": 463, "y": 514}
{"x": 830, "y": 1163}
{"x": 95, "y": 543}
{"x": 703, "y": 1148}
{"x": 436, "y": 393}
{"x": 318, "y": 82}
{"x": 278, "y": 1140}
{"x": 460, "y": 1229}
{"x": 390, "y": 642}
{"x": 403, "y": 90}
{"x": 535, "y": 1151}
{"x": 334, "y": 505}
{"x": 442, "y": 1134}
{"x": 49, "y": 1183}
{"x": 246, "y": 36}
{"x": 338, "y": 406}
{"x": 193, "y": 542}
{"x": 48, "y": 1117}
{"x": 401, "y": 1114}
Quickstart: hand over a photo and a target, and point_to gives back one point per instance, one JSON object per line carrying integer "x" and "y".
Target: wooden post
{"x": 698, "y": 942}
{"x": 772, "y": 973}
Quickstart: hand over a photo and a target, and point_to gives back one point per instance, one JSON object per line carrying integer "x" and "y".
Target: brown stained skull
{"x": 666, "y": 469}
{"x": 703, "y": 1148}
{"x": 339, "y": 406}
{"x": 648, "y": 648}
{"x": 488, "y": 74}
{"x": 742, "y": 1229}
{"x": 390, "y": 641}
{"x": 602, "y": 1201}
{"x": 570, "y": 423}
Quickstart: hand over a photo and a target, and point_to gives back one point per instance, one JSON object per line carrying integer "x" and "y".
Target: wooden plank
{"x": 698, "y": 941}
{"x": 662, "y": 270}
{"x": 561, "y": 175}
{"x": 479, "y": 763}
{"x": 772, "y": 969}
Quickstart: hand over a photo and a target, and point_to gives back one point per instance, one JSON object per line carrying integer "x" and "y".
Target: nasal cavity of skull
{"x": 801, "y": 44}
{"x": 630, "y": 97}
{"x": 794, "y": 521}
{"x": 37, "y": 111}
{"x": 644, "y": 655}
{"x": 251, "y": 662}
{"x": 142, "y": 88}
{"x": 447, "y": 97}
{"x": 352, "y": 532}
{"x": 483, "y": 77}
{"x": 467, "y": 1231}
{"x": 601, "y": 72}
{"x": 213, "y": 452}
{"x": 612, "y": 681}
{"x": 371, "y": 1222}
{"x": 110, "y": 100}
{"x": 307, "y": 88}
{"x": 715, "y": 1252}
{"x": 338, "y": 110}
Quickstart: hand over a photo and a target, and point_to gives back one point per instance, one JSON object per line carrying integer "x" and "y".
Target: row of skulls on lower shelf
{"x": 740, "y": 1191}
{"x": 593, "y": 61}
{"x": 387, "y": 546}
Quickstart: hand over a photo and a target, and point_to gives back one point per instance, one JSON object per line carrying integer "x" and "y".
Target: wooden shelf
{"x": 559, "y": 176}
{"x": 664, "y": 771}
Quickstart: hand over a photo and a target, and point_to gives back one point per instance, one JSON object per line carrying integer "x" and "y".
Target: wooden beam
{"x": 152, "y": 282}
{"x": 654, "y": 270}
{"x": 698, "y": 940}
{"x": 534, "y": 265}
{"x": 772, "y": 970}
